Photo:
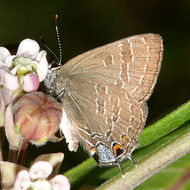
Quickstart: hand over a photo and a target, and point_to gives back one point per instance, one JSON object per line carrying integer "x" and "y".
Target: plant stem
{"x": 12, "y": 155}
{"x": 1, "y": 139}
{"x": 178, "y": 184}
{"x": 22, "y": 148}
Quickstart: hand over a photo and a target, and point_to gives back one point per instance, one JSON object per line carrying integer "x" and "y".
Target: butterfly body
{"x": 103, "y": 93}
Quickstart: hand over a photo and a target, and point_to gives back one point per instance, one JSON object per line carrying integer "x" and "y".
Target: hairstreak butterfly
{"x": 103, "y": 93}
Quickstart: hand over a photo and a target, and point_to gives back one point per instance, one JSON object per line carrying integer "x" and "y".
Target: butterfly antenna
{"x": 50, "y": 50}
{"x": 58, "y": 39}
{"x": 59, "y": 60}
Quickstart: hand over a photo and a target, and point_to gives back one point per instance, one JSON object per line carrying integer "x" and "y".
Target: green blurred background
{"x": 86, "y": 24}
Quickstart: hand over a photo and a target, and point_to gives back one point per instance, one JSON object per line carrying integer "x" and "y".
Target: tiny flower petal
{"x": 5, "y": 57}
{"x": 9, "y": 96}
{"x": 41, "y": 184}
{"x": 14, "y": 70}
{"x": 28, "y": 48}
{"x": 40, "y": 169}
{"x": 55, "y": 159}
{"x": 31, "y": 82}
{"x": 42, "y": 68}
{"x": 2, "y": 110}
{"x": 11, "y": 135}
{"x": 60, "y": 182}
{"x": 22, "y": 181}
{"x": 8, "y": 60}
{"x": 9, "y": 80}
{"x": 4, "y": 52}
{"x": 8, "y": 173}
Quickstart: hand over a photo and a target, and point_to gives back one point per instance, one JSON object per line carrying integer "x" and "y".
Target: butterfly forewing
{"x": 105, "y": 95}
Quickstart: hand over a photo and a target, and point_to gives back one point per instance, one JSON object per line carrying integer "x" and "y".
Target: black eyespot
{"x": 117, "y": 149}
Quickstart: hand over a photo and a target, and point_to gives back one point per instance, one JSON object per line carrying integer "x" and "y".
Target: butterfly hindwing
{"x": 105, "y": 96}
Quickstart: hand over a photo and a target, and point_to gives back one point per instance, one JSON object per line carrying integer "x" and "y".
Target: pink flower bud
{"x": 31, "y": 82}
{"x": 36, "y": 117}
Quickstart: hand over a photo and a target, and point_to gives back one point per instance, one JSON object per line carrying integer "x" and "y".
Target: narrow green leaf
{"x": 186, "y": 186}
{"x": 165, "y": 125}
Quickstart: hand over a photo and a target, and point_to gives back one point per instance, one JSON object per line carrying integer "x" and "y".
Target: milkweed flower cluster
{"x": 28, "y": 116}
{"x": 25, "y": 69}
{"x": 21, "y": 72}
{"x": 41, "y": 175}
{"x": 37, "y": 178}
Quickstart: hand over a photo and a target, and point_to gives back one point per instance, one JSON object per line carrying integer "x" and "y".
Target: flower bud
{"x": 36, "y": 117}
{"x": 30, "y": 82}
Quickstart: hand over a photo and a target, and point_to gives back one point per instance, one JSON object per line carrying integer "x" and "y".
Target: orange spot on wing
{"x": 92, "y": 149}
{"x": 125, "y": 139}
{"x": 117, "y": 149}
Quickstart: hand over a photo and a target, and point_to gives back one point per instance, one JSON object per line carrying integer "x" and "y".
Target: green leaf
{"x": 165, "y": 125}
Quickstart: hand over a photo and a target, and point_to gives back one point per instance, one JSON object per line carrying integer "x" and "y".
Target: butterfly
{"x": 104, "y": 94}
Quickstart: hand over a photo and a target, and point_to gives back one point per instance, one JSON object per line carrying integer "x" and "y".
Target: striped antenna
{"x": 58, "y": 39}
{"x": 59, "y": 60}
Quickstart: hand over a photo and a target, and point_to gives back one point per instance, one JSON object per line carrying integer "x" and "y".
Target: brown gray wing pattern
{"x": 106, "y": 89}
{"x": 102, "y": 111}
{"x": 131, "y": 63}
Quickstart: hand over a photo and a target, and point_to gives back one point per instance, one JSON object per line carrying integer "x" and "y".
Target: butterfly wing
{"x": 106, "y": 90}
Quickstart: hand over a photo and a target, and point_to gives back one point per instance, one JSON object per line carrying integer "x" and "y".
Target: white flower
{"x": 21, "y": 72}
{"x": 36, "y": 178}
{"x": 28, "y": 48}
{"x": 25, "y": 69}
{"x": 5, "y": 57}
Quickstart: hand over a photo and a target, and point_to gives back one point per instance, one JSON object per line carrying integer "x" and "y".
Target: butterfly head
{"x": 54, "y": 67}
{"x": 51, "y": 84}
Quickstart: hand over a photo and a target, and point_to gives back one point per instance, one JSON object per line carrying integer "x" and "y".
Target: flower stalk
{"x": 22, "y": 149}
